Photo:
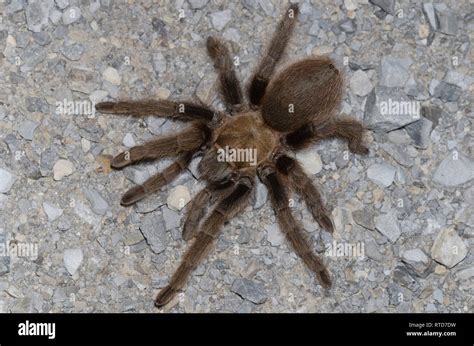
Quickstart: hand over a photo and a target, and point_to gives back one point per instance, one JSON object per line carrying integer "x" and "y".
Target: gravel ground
{"x": 403, "y": 215}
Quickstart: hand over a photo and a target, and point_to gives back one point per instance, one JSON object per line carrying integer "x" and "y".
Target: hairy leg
{"x": 301, "y": 183}
{"x": 197, "y": 208}
{"x": 184, "y": 111}
{"x": 224, "y": 210}
{"x": 290, "y": 227}
{"x": 275, "y": 51}
{"x": 347, "y": 129}
{"x": 188, "y": 140}
{"x": 230, "y": 85}
{"x": 157, "y": 181}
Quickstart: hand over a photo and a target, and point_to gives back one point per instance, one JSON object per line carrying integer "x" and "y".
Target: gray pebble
{"x": 153, "y": 229}
{"x": 98, "y": 204}
{"x": 250, "y": 290}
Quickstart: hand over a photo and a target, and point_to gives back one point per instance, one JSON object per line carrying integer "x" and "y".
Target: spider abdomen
{"x": 309, "y": 90}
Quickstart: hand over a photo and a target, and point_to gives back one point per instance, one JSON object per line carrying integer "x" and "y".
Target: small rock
{"x": 27, "y": 129}
{"x": 382, "y": 174}
{"x": 448, "y": 248}
{"x": 220, "y": 19}
{"x": 62, "y": 168}
{"x": 455, "y": 169}
{"x": 197, "y": 4}
{"x": 205, "y": 90}
{"x": 360, "y": 83}
{"x": 416, "y": 259}
{"x": 52, "y": 211}
{"x": 72, "y": 260}
{"x": 250, "y": 290}
{"x": 372, "y": 251}
{"x": 267, "y": 7}
{"x": 430, "y": 14}
{"x": 403, "y": 277}
{"x": 7, "y": 179}
{"x": 399, "y": 153}
{"x": 37, "y": 14}
{"x": 85, "y": 145}
{"x": 71, "y": 15}
{"x": 387, "y": 6}
{"x": 98, "y": 203}
{"x": 310, "y": 161}
{"x": 364, "y": 218}
{"x": 172, "y": 218}
{"x": 73, "y": 52}
{"x": 159, "y": 63}
{"x": 446, "y": 92}
{"x": 350, "y": 5}
{"x": 128, "y": 140}
{"x": 464, "y": 274}
{"x": 64, "y": 224}
{"x": 393, "y": 71}
{"x": 314, "y": 29}
{"x": 387, "y": 224}
{"x": 111, "y": 75}
{"x": 448, "y": 23}
{"x": 178, "y": 198}
{"x": 274, "y": 235}
{"x": 388, "y": 109}
{"x": 261, "y": 195}
{"x": 348, "y": 26}
{"x": 420, "y": 132}
{"x": 153, "y": 229}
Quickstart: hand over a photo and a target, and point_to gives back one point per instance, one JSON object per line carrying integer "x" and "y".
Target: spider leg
{"x": 157, "y": 181}
{"x": 303, "y": 185}
{"x": 187, "y": 140}
{"x": 290, "y": 227}
{"x": 197, "y": 207}
{"x": 275, "y": 51}
{"x": 184, "y": 111}
{"x": 224, "y": 210}
{"x": 347, "y": 129}
{"x": 230, "y": 85}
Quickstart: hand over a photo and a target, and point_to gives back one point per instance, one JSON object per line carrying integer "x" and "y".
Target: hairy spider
{"x": 283, "y": 114}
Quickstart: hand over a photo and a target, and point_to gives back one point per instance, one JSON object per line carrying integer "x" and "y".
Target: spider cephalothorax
{"x": 283, "y": 114}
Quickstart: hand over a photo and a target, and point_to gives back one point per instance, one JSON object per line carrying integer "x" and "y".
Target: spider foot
{"x": 164, "y": 297}
{"x": 133, "y": 195}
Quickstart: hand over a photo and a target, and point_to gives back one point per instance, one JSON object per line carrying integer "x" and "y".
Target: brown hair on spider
{"x": 278, "y": 115}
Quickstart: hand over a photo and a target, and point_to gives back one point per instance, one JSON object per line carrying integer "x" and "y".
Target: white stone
{"x": 310, "y": 161}
{"x": 52, "y": 211}
{"x": 110, "y": 74}
{"x": 382, "y": 174}
{"x": 387, "y": 224}
{"x": 72, "y": 260}
{"x": 360, "y": 83}
{"x": 220, "y": 19}
{"x": 62, "y": 168}
{"x": 178, "y": 198}
{"x": 6, "y": 180}
{"x": 274, "y": 235}
{"x": 350, "y": 5}
{"x": 448, "y": 248}
{"x": 128, "y": 140}
{"x": 85, "y": 145}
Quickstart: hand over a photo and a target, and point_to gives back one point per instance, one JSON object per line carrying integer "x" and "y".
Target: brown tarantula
{"x": 283, "y": 114}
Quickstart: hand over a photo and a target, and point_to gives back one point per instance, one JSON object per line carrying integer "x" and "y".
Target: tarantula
{"x": 283, "y": 114}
